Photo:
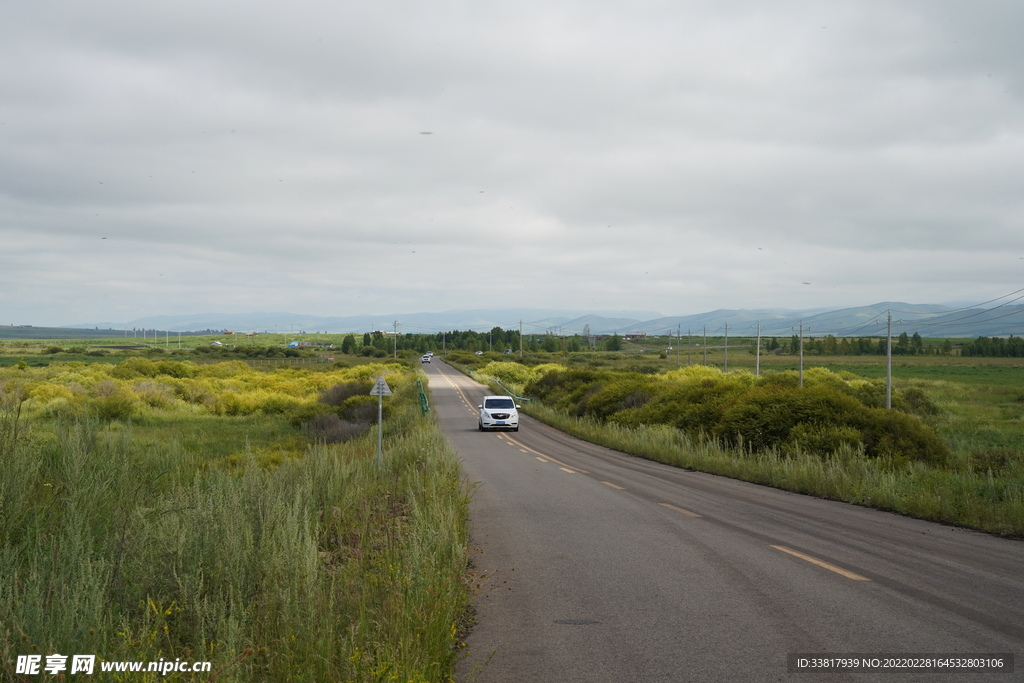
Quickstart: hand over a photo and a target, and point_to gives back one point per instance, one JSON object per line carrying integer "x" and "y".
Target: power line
{"x": 957, "y": 310}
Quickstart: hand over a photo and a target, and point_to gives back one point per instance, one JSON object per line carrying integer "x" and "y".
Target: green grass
{"x": 957, "y": 495}
{"x": 177, "y": 537}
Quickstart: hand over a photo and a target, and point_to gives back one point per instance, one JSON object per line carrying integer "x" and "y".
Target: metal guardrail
{"x": 511, "y": 393}
{"x": 424, "y": 403}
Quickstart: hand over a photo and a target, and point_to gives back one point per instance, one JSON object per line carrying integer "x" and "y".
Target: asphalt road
{"x": 598, "y": 566}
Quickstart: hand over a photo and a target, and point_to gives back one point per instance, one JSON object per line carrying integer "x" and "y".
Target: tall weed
{"x": 324, "y": 567}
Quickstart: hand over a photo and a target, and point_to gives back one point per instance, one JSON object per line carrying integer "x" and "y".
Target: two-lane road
{"x": 605, "y": 567}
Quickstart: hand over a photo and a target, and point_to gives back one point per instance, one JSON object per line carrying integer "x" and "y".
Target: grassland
{"x": 197, "y": 521}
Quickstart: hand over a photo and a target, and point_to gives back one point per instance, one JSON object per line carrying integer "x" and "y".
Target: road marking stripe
{"x": 608, "y": 483}
{"x": 456, "y": 388}
{"x": 539, "y": 458}
{"x": 566, "y": 469}
{"x": 522, "y": 445}
{"x": 677, "y": 509}
{"x": 522, "y": 451}
{"x": 821, "y": 563}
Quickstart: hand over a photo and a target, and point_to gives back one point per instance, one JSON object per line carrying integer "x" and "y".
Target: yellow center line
{"x": 545, "y": 455}
{"x": 521, "y": 450}
{"x": 456, "y": 388}
{"x": 821, "y": 563}
{"x": 541, "y": 459}
{"x": 678, "y": 509}
{"x": 566, "y": 469}
{"x": 608, "y": 483}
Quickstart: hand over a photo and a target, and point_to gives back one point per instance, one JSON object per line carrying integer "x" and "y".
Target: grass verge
{"x": 961, "y": 497}
{"x": 323, "y": 566}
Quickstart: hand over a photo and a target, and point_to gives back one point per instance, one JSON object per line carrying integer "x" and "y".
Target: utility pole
{"x": 689, "y": 346}
{"x": 757, "y": 361}
{"x": 396, "y": 339}
{"x": 705, "y": 345}
{"x": 679, "y": 334}
{"x": 520, "y": 338}
{"x": 801, "y": 383}
{"x": 726, "y": 367}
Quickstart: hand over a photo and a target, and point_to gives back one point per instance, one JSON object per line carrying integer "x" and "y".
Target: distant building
{"x": 635, "y": 335}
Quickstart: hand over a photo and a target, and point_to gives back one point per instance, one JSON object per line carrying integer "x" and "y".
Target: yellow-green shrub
{"x": 134, "y": 367}
{"x": 153, "y": 394}
{"x": 770, "y": 412}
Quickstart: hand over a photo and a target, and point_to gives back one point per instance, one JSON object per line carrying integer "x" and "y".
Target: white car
{"x": 498, "y": 412}
{"x": 425, "y": 359}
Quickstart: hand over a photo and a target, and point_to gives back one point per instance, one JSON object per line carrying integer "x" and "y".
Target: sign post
{"x": 380, "y": 390}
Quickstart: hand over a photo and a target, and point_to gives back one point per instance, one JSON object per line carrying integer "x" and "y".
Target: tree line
{"x": 995, "y": 347}
{"x": 829, "y": 345}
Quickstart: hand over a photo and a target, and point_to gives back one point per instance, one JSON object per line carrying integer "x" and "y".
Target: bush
{"x": 339, "y": 393}
{"x": 133, "y": 368}
{"x": 154, "y": 394}
{"x": 626, "y": 392}
{"x": 174, "y": 368}
{"x": 276, "y": 404}
{"x": 361, "y": 409}
{"x": 329, "y": 428}
{"x": 902, "y": 437}
{"x": 508, "y": 372}
{"x": 53, "y": 350}
{"x": 771, "y": 412}
{"x": 917, "y": 402}
{"x": 822, "y": 439}
{"x": 113, "y": 403}
{"x": 766, "y": 417}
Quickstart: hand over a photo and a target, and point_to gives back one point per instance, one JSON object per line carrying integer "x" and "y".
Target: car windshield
{"x": 499, "y": 403}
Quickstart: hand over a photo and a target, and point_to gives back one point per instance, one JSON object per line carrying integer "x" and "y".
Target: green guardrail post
{"x": 424, "y": 404}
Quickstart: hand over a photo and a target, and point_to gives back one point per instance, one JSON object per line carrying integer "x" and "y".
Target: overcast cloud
{"x": 671, "y": 156}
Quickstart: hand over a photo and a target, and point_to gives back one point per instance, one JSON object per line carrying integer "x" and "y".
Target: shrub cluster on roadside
{"x": 831, "y": 411}
{"x": 139, "y": 386}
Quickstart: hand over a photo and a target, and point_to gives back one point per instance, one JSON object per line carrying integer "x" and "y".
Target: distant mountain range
{"x": 929, "y": 320}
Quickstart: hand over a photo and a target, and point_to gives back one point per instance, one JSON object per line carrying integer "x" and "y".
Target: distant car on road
{"x": 498, "y": 412}
{"x": 479, "y": 353}
{"x": 425, "y": 359}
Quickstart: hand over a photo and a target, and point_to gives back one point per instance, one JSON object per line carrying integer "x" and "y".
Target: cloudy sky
{"x": 341, "y": 158}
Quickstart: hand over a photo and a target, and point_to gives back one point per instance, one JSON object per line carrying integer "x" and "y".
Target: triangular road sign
{"x": 381, "y": 388}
